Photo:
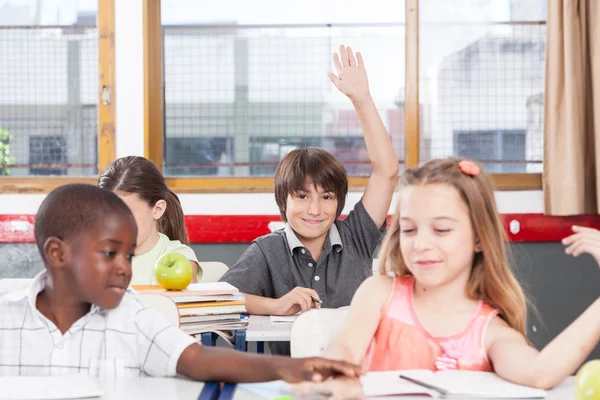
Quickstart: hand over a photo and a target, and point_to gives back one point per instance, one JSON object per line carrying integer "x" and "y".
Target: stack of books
{"x": 206, "y": 307}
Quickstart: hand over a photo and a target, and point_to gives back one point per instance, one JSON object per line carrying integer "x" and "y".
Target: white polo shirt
{"x": 130, "y": 340}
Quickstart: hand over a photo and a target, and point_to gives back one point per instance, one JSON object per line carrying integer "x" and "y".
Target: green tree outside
{"x": 6, "y": 159}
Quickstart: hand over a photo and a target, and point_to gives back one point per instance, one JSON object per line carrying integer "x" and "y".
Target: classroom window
{"x": 259, "y": 82}
{"x": 498, "y": 151}
{"x": 482, "y": 72}
{"x": 199, "y": 156}
{"x": 47, "y": 152}
{"x": 48, "y": 87}
{"x": 478, "y": 68}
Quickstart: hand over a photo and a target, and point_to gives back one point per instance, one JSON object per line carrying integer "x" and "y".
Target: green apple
{"x": 587, "y": 384}
{"x": 173, "y": 271}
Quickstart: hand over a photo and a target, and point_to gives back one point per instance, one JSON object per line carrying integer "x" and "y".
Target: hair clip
{"x": 469, "y": 168}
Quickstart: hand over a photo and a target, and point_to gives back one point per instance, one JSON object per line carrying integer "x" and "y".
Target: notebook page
{"x": 47, "y": 387}
{"x": 388, "y": 383}
{"x": 481, "y": 384}
{"x": 210, "y": 286}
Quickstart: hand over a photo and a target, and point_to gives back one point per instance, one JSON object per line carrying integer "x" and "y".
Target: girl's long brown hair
{"x": 138, "y": 175}
{"x": 492, "y": 279}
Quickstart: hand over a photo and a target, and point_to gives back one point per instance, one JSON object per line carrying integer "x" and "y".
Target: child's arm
{"x": 352, "y": 81}
{"x": 513, "y": 359}
{"x": 251, "y": 275}
{"x": 299, "y": 299}
{"x": 205, "y": 363}
{"x": 362, "y": 321}
{"x": 352, "y": 342}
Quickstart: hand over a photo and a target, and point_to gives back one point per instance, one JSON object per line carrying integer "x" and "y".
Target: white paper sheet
{"x": 209, "y": 286}
{"x": 47, "y": 387}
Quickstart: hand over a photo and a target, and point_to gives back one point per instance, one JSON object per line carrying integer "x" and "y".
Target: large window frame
{"x": 106, "y": 113}
{"x": 154, "y": 116}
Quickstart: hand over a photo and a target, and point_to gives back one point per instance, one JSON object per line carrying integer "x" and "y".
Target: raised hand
{"x": 584, "y": 240}
{"x": 351, "y": 78}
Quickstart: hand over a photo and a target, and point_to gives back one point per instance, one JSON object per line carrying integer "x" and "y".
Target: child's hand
{"x": 299, "y": 299}
{"x": 336, "y": 389}
{"x": 316, "y": 369}
{"x": 584, "y": 240}
{"x": 352, "y": 77}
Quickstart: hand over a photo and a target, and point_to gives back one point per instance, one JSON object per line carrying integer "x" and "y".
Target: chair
{"x": 314, "y": 330}
{"x": 212, "y": 271}
{"x": 376, "y": 266}
{"x": 162, "y": 304}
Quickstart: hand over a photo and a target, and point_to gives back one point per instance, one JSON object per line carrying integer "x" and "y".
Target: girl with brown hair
{"x": 157, "y": 211}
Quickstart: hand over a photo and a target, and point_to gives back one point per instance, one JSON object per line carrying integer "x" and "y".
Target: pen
{"x": 425, "y": 385}
{"x": 317, "y": 300}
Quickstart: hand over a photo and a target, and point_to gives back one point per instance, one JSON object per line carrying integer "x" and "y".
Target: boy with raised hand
{"x": 318, "y": 260}
{"x": 78, "y": 316}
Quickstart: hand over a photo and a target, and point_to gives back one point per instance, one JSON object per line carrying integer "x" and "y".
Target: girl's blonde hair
{"x": 491, "y": 278}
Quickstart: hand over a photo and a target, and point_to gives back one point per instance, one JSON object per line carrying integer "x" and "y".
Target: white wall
{"x": 264, "y": 203}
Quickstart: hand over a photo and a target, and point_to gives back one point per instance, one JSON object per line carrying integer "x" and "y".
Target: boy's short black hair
{"x": 71, "y": 209}
{"x": 318, "y": 166}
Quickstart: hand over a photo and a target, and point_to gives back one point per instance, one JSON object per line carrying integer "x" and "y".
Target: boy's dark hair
{"x": 312, "y": 164}
{"x": 72, "y": 209}
{"x": 140, "y": 176}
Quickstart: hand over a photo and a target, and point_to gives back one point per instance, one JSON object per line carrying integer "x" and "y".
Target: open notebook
{"x": 456, "y": 384}
{"x": 446, "y": 384}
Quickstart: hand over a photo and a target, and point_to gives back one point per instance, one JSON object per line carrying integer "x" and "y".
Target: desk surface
{"x": 149, "y": 389}
{"x": 260, "y": 329}
{"x": 564, "y": 391}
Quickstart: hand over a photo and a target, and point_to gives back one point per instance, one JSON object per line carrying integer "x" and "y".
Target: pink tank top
{"x": 401, "y": 342}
